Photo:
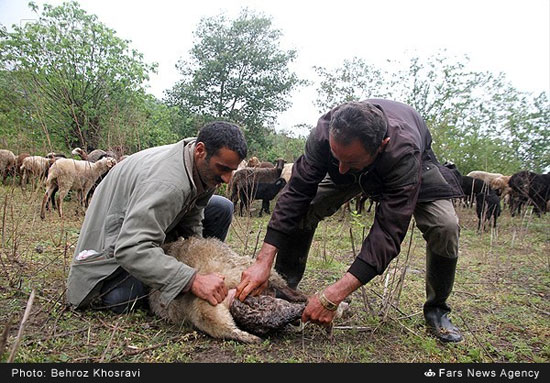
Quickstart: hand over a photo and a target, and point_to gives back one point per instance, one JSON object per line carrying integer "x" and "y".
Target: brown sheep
{"x": 243, "y": 178}
{"x": 18, "y": 163}
{"x": 500, "y": 184}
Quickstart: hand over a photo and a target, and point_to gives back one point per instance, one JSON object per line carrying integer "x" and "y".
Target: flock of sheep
{"x": 256, "y": 180}
{"x": 253, "y": 180}
{"x": 516, "y": 191}
{"x": 59, "y": 173}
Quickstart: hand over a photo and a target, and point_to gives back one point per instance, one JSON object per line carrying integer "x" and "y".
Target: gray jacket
{"x": 150, "y": 194}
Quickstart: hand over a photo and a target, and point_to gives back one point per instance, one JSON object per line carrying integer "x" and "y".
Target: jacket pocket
{"x": 113, "y": 224}
{"x": 431, "y": 176}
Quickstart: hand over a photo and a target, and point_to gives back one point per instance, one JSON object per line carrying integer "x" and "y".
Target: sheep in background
{"x": 360, "y": 201}
{"x": 530, "y": 187}
{"x": 243, "y": 178}
{"x": 94, "y": 155}
{"x": 35, "y": 166}
{"x": 253, "y": 162}
{"x": 484, "y": 176}
{"x": 209, "y": 255}
{"x": 487, "y": 207}
{"x": 264, "y": 191}
{"x": 501, "y": 185}
{"x": 78, "y": 175}
{"x": 7, "y": 164}
{"x": 471, "y": 187}
{"x": 287, "y": 171}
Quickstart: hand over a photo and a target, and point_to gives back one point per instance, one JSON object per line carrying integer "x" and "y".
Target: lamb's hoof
{"x": 249, "y": 338}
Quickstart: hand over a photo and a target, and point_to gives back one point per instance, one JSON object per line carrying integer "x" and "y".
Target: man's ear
{"x": 383, "y": 144}
{"x": 200, "y": 150}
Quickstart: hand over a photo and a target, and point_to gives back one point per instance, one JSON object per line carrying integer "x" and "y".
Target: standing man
{"x": 381, "y": 148}
{"x": 152, "y": 197}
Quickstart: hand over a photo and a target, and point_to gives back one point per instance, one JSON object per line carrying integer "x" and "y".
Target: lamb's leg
{"x": 217, "y": 321}
{"x": 60, "y": 196}
{"x": 24, "y": 180}
{"x": 45, "y": 200}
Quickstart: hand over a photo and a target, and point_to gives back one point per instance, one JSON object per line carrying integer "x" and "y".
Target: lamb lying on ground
{"x": 256, "y": 315}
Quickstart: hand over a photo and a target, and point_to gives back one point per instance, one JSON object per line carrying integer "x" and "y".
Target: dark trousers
{"x": 122, "y": 292}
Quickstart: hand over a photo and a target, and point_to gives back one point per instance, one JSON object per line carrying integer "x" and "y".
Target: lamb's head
{"x": 253, "y": 162}
{"x": 78, "y": 152}
{"x": 106, "y": 163}
{"x": 110, "y": 162}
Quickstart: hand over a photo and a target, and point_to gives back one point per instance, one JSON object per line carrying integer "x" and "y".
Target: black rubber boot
{"x": 292, "y": 257}
{"x": 440, "y": 275}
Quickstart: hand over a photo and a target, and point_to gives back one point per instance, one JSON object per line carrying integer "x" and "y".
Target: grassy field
{"x": 501, "y": 298}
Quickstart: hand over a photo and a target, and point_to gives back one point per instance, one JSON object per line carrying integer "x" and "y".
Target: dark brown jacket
{"x": 405, "y": 173}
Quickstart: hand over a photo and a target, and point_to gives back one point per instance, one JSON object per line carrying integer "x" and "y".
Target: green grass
{"x": 501, "y": 298}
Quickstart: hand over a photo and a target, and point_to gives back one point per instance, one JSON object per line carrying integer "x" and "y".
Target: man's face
{"x": 218, "y": 168}
{"x": 353, "y": 157}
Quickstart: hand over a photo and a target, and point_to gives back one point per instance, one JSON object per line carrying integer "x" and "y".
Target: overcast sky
{"x": 498, "y": 35}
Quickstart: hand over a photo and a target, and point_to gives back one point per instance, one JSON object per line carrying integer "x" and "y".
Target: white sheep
{"x": 36, "y": 166}
{"x": 68, "y": 174}
{"x": 7, "y": 163}
{"x": 484, "y": 176}
{"x": 210, "y": 255}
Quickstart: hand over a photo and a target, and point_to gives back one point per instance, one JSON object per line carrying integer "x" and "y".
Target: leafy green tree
{"x": 73, "y": 72}
{"x": 281, "y": 145}
{"x": 236, "y": 71}
{"x": 354, "y": 80}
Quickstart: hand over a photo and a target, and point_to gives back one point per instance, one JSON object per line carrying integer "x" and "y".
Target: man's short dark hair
{"x": 221, "y": 134}
{"x": 359, "y": 120}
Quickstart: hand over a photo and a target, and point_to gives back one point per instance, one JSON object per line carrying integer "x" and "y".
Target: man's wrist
{"x": 267, "y": 254}
{"x": 338, "y": 291}
{"x": 327, "y": 303}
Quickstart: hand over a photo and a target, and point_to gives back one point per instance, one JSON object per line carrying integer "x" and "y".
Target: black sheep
{"x": 471, "y": 187}
{"x": 529, "y": 187}
{"x": 264, "y": 191}
{"x": 487, "y": 207}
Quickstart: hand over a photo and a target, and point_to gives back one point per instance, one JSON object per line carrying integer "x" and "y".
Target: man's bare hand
{"x": 210, "y": 287}
{"x": 253, "y": 281}
{"x": 316, "y": 313}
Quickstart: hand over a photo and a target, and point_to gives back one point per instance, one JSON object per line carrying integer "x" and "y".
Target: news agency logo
{"x": 429, "y": 373}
